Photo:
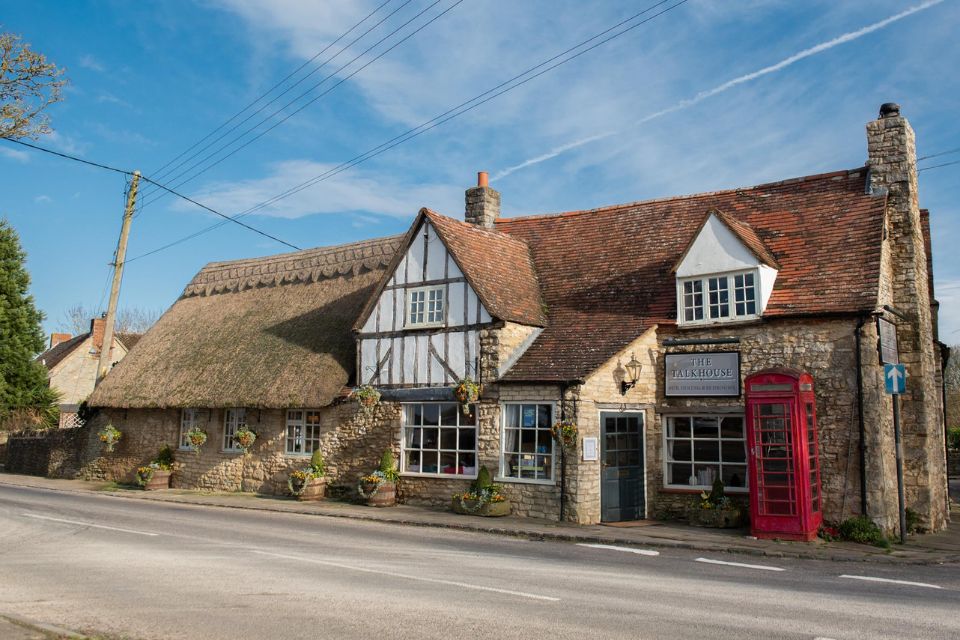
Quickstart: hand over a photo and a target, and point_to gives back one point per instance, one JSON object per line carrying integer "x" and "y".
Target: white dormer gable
{"x": 720, "y": 278}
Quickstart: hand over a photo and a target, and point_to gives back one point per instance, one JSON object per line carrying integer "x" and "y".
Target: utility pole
{"x": 104, "y": 365}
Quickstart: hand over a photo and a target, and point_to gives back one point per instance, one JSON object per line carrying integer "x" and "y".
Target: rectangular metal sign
{"x": 702, "y": 374}
{"x": 894, "y": 378}
{"x": 889, "y": 352}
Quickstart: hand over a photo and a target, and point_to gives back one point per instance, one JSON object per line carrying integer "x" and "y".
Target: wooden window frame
{"x": 667, "y": 460}
{"x": 706, "y": 308}
{"x": 409, "y": 323}
{"x": 309, "y": 436}
{"x": 231, "y": 426}
{"x": 405, "y": 448}
{"x": 502, "y": 476}
{"x": 186, "y": 424}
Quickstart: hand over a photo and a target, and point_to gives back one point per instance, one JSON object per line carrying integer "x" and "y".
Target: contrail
{"x": 726, "y": 86}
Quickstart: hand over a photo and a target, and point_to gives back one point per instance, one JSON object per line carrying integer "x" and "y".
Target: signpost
{"x": 895, "y": 383}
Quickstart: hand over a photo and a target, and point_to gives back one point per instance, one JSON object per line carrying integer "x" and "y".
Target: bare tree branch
{"x": 28, "y": 85}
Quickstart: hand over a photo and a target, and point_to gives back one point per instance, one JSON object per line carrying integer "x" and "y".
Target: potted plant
{"x": 467, "y": 392}
{"x": 367, "y": 397}
{"x": 244, "y": 439}
{"x": 109, "y": 436}
{"x": 379, "y": 489}
{"x": 715, "y": 510}
{"x": 483, "y": 498}
{"x": 565, "y": 433}
{"x": 309, "y": 483}
{"x": 197, "y": 437}
{"x": 156, "y": 475}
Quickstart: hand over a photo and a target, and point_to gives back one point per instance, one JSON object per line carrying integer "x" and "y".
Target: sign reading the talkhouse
{"x": 702, "y": 374}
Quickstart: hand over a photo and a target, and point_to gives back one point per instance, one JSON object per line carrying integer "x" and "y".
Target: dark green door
{"x": 621, "y": 476}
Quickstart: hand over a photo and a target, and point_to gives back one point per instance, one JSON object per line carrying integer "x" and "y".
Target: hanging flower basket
{"x": 467, "y": 392}
{"x": 367, "y": 397}
{"x": 565, "y": 432}
{"x": 109, "y": 436}
{"x": 244, "y": 439}
{"x": 196, "y": 437}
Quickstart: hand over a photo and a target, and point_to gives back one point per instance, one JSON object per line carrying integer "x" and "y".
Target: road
{"x": 169, "y": 571}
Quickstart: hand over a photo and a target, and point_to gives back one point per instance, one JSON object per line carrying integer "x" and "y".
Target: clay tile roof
{"x": 498, "y": 267}
{"x": 606, "y": 274}
{"x": 55, "y": 354}
{"x": 749, "y": 238}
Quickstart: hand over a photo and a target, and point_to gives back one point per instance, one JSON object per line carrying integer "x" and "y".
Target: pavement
{"x": 920, "y": 549}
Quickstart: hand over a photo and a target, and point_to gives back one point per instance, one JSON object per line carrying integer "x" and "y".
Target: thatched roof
{"x": 269, "y": 332}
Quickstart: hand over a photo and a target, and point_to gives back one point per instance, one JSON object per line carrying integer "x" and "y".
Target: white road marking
{"x": 405, "y": 576}
{"x": 88, "y": 524}
{"x": 642, "y": 552}
{"x": 740, "y": 564}
{"x": 906, "y": 582}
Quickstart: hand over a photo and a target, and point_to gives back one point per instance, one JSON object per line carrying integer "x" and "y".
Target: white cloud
{"x": 350, "y": 193}
{"x": 109, "y": 98}
{"x": 15, "y": 154}
{"x": 88, "y": 61}
{"x": 43, "y": 199}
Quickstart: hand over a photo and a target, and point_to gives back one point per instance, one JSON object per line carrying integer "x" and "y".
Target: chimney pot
{"x": 482, "y": 179}
{"x": 890, "y": 110}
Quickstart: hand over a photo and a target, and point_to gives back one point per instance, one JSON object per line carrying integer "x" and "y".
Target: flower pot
{"x": 487, "y": 510}
{"x": 715, "y": 518}
{"x": 385, "y": 496}
{"x": 160, "y": 480}
{"x": 315, "y": 489}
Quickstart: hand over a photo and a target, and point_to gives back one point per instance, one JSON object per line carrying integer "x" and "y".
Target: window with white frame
{"x": 699, "y": 449}
{"x": 425, "y": 306}
{"x": 303, "y": 431}
{"x": 718, "y": 297}
{"x": 189, "y": 418}
{"x": 439, "y": 438}
{"x": 526, "y": 442}
{"x": 233, "y": 419}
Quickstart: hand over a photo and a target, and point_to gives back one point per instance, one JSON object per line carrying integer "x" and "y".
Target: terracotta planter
{"x": 160, "y": 480}
{"x": 386, "y": 496}
{"x": 715, "y": 518}
{"x": 488, "y": 510}
{"x": 315, "y": 489}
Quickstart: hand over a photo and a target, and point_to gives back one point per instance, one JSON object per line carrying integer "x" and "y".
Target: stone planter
{"x": 160, "y": 480}
{"x": 487, "y": 510}
{"x": 715, "y": 518}
{"x": 315, "y": 489}
{"x": 385, "y": 496}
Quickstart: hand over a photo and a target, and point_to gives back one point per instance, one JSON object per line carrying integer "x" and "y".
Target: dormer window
{"x": 719, "y": 297}
{"x": 425, "y": 307}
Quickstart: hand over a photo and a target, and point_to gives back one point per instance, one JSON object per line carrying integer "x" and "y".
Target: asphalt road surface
{"x": 155, "y": 570}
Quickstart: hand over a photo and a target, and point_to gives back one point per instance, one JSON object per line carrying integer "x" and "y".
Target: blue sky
{"x": 147, "y": 80}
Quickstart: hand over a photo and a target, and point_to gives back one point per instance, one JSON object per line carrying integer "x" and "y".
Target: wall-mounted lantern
{"x": 628, "y": 376}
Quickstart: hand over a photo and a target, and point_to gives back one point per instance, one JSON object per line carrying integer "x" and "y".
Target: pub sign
{"x": 702, "y": 374}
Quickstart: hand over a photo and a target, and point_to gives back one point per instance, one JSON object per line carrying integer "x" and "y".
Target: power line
{"x": 448, "y": 115}
{"x": 159, "y": 171}
{"x": 308, "y": 103}
{"x": 99, "y": 165}
{"x": 287, "y": 90}
{"x": 937, "y": 166}
{"x": 937, "y": 155}
{"x": 440, "y": 119}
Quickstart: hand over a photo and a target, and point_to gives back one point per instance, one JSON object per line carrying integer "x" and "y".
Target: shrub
{"x": 953, "y": 438}
{"x": 483, "y": 480}
{"x": 387, "y": 466}
{"x": 318, "y": 465}
{"x": 164, "y": 459}
{"x": 863, "y": 530}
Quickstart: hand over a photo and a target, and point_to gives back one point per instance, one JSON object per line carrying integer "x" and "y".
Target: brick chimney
{"x": 483, "y": 203}
{"x": 905, "y": 286}
{"x": 97, "y": 326}
{"x": 57, "y": 338}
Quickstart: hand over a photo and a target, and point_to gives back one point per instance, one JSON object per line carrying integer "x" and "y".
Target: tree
{"x": 24, "y": 389}
{"x": 76, "y": 320}
{"x": 28, "y": 85}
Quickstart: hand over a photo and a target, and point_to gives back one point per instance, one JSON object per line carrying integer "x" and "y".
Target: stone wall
{"x": 352, "y": 443}
{"x": 53, "y": 453}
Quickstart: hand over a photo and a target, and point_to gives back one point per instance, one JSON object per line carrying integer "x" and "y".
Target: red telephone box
{"x": 782, "y": 458}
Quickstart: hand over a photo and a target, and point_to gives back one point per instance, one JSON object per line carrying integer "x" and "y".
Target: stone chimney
{"x": 97, "y": 326}
{"x": 483, "y": 203}
{"x": 57, "y": 338}
{"x": 905, "y": 286}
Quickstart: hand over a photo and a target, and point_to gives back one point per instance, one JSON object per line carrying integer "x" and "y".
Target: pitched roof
{"x": 267, "y": 332}
{"x": 605, "y": 274}
{"x": 55, "y": 354}
{"x": 498, "y": 267}
{"x": 128, "y": 340}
